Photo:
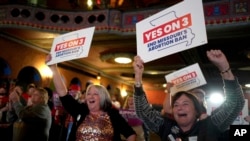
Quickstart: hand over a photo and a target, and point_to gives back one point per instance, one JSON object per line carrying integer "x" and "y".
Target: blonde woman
{"x": 95, "y": 119}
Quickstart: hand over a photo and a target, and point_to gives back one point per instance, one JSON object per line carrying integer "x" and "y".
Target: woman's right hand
{"x": 48, "y": 59}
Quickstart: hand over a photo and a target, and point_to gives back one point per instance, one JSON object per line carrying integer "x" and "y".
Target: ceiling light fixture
{"x": 98, "y": 77}
{"x": 123, "y": 60}
{"x": 120, "y": 58}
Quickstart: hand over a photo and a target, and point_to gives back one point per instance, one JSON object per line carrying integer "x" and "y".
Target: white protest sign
{"x": 211, "y": 106}
{"x": 72, "y": 45}
{"x": 172, "y": 30}
{"x": 186, "y": 79}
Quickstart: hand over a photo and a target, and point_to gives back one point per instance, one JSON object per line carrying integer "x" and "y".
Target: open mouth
{"x": 91, "y": 101}
{"x": 182, "y": 115}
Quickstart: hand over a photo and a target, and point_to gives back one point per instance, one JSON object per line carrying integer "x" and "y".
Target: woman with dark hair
{"x": 96, "y": 118}
{"x": 186, "y": 109}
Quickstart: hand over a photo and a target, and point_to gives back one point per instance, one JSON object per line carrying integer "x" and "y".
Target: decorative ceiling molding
{"x": 108, "y": 20}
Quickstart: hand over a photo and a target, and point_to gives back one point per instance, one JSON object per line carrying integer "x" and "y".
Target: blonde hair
{"x": 125, "y": 105}
{"x": 105, "y": 100}
{"x": 44, "y": 94}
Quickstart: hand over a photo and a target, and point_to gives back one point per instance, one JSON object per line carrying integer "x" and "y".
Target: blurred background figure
{"x": 128, "y": 112}
{"x": 115, "y": 102}
{"x": 201, "y": 96}
{"x": 28, "y": 90}
{"x": 34, "y": 120}
{"x": 50, "y": 100}
{"x": 11, "y": 113}
{"x": 5, "y": 131}
{"x": 76, "y": 92}
{"x": 3, "y": 102}
{"x": 83, "y": 94}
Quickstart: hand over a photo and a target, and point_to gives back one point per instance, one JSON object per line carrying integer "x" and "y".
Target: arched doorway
{"x": 5, "y": 70}
{"x": 29, "y": 75}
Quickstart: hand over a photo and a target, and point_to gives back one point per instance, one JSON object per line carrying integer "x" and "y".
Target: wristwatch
{"x": 138, "y": 84}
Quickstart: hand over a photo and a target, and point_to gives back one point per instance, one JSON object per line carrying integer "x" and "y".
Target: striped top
{"x": 205, "y": 130}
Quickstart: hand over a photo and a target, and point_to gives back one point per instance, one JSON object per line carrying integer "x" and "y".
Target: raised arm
{"x": 138, "y": 69}
{"x": 61, "y": 88}
{"x": 224, "y": 115}
{"x": 220, "y": 61}
{"x": 151, "y": 117}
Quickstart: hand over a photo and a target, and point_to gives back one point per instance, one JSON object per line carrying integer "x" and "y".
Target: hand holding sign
{"x": 71, "y": 46}
{"x": 172, "y": 30}
{"x": 186, "y": 79}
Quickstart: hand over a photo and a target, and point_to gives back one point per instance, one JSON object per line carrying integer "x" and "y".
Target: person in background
{"x": 75, "y": 92}
{"x": 96, "y": 119}
{"x": 115, "y": 102}
{"x": 4, "y": 125}
{"x": 50, "y": 100}
{"x": 83, "y": 94}
{"x": 29, "y": 90}
{"x": 166, "y": 105}
{"x": 11, "y": 113}
{"x": 201, "y": 94}
{"x": 82, "y": 97}
{"x": 3, "y": 102}
{"x": 186, "y": 108}
{"x": 34, "y": 119}
{"x": 54, "y": 132}
{"x": 128, "y": 112}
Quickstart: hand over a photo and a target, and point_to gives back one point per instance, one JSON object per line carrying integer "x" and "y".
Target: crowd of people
{"x": 25, "y": 112}
{"x": 28, "y": 113}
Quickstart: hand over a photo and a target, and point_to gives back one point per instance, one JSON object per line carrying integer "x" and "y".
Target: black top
{"x": 76, "y": 110}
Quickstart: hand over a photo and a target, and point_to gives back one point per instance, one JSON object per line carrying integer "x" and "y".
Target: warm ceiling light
{"x": 90, "y": 3}
{"x": 98, "y": 77}
{"x": 123, "y": 60}
{"x": 117, "y": 57}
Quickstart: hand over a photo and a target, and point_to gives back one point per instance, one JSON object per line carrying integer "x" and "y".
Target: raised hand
{"x": 138, "y": 68}
{"x": 48, "y": 58}
{"x": 218, "y": 58}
